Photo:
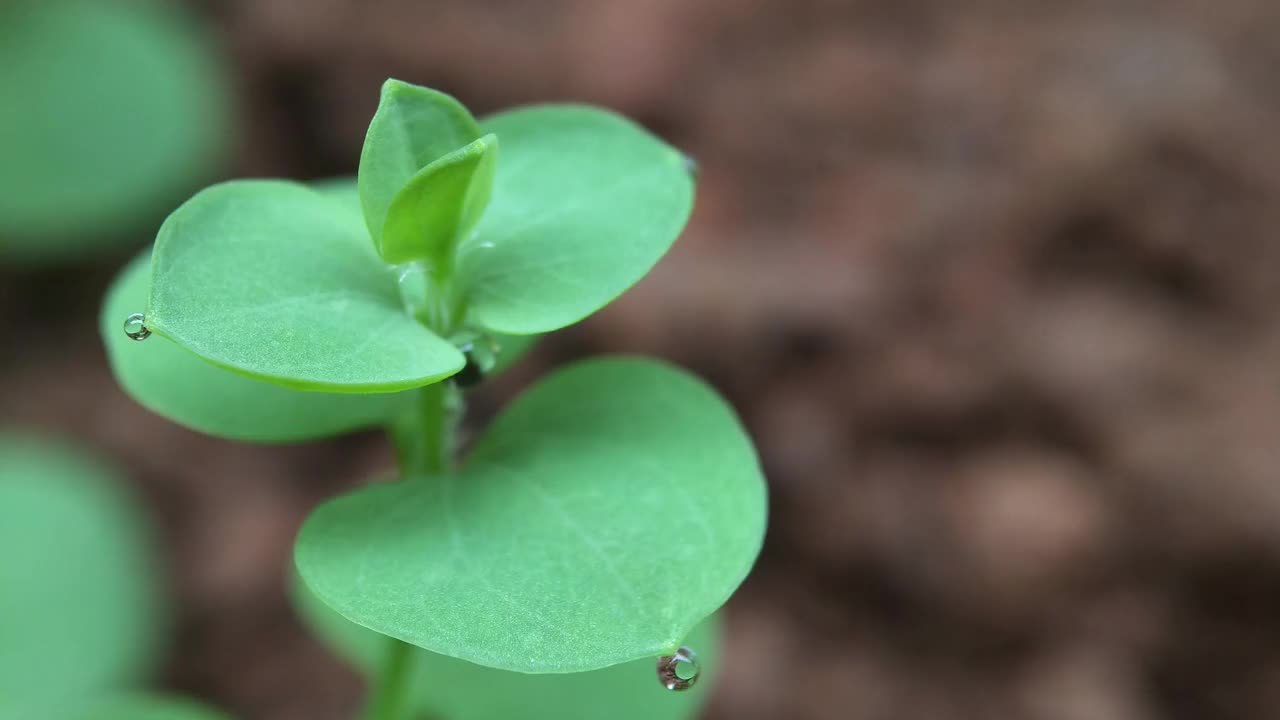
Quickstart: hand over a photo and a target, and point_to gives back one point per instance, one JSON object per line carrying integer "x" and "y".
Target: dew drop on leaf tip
{"x": 680, "y": 671}
{"x": 691, "y": 166}
{"x": 135, "y": 327}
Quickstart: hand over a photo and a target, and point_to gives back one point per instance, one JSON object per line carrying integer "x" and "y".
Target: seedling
{"x": 597, "y": 522}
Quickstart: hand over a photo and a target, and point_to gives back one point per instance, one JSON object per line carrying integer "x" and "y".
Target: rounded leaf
{"x": 584, "y": 203}
{"x": 110, "y": 111}
{"x": 277, "y": 281}
{"x": 177, "y": 384}
{"x": 78, "y": 602}
{"x": 612, "y": 508}
{"x": 444, "y": 687}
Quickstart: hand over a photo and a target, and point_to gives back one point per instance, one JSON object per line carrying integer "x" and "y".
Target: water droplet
{"x": 691, "y": 166}
{"x": 680, "y": 671}
{"x": 471, "y": 374}
{"x": 135, "y": 327}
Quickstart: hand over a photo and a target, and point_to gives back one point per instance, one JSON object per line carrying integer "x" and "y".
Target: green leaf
{"x": 128, "y": 707}
{"x": 604, "y": 515}
{"x": 178, "y": 385}
{"x": 277, "y": 281}
{"x": 412, "y": 128}
{"x": 440, "y": 205}
{"x": 111, "y": 112}
{"x": 584, "y": 203}
{"x": 447, "y": 688}
{"x": 510, "y": 348}
{"x": 78, "y": 601}
{"x": 342, "y": 190}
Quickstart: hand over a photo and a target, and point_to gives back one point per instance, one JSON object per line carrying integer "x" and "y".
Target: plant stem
{"x": 391, "y": 695}
{"x": 424, "y": 441}
{"x": 424, "y": 435}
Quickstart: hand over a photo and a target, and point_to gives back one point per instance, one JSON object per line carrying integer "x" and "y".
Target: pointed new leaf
{"x": 447, "y": 688}
{"x": 440, "y": 205}
{"x": 178, "y": 384}
{"x": 612, "y": 508}
{"x": 78, "y": 601}
{"x": 584, "y": 203}
{"x": 412, "y": 128}
{"x": 277, "y": 281}
{"x": 510, "y": 348}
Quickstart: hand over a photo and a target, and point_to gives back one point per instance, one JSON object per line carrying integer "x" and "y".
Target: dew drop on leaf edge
{"x": 670, "y": 667}
{"x": 135, "y": 327}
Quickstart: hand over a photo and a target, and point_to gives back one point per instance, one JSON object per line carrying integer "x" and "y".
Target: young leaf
{"x": 584, "y": 203}
{"x": 412, "y": 128}
{"x": 277, "y": 281}
{"x": 510, "y": 347}
{"x": 177, "y": 384}
{"x": 78, "y": 602}
{"x": 604, "y": 515}
{"x": 444, "y": 687}
{"x": 440, "y": 205}
{"x": 110, "y": 112}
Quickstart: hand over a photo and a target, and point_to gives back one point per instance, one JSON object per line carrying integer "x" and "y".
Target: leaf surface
{"x": 412, "y": 128}
{"x": 115, "y": 707}
{"x": 78, "y": 599}
{"x": 110, "y": 112}
{"x": 604, "y": 515}
{"x": 440, "y": 205}
{"x": 584, "y": 203}
{"x": 179, "y": 385}
{"x": 277, "y": 281}
{"x": 444, "y": 687}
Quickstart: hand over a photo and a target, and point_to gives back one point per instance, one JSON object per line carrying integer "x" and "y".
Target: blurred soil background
{"x": 996, "y": 287}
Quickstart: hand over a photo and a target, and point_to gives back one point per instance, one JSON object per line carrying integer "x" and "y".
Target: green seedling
{"x": 80, "y": 619}
{"x": 110, "y": 111}
{"x": 599, "y": 522}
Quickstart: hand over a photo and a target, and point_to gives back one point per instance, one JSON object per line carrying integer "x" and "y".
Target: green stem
{"x": 424, "y": 435}
{"x": 391, "y": 695}
{"x": 424, "y": 441}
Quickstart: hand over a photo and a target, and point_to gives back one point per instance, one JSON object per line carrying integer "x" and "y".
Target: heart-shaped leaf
{"x": 613, "y": 507}
{"x": 110, "y": 112}
{"x": 444, "y": 687}
{"x": 439, "y": 205}
{"x": 412, "y": 128}
{"x": 277, "y": 281}
{"x": 176, "y": 383}
{"x": 584, "y": 203}
{"x": 78, "y": 602}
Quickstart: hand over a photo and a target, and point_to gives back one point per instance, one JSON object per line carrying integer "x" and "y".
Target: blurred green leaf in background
{"x": 80, "y": 610}
{"x": 110, "y": 112}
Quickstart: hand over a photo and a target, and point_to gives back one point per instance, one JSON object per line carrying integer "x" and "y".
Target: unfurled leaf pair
{"x": 274, "y": 280}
